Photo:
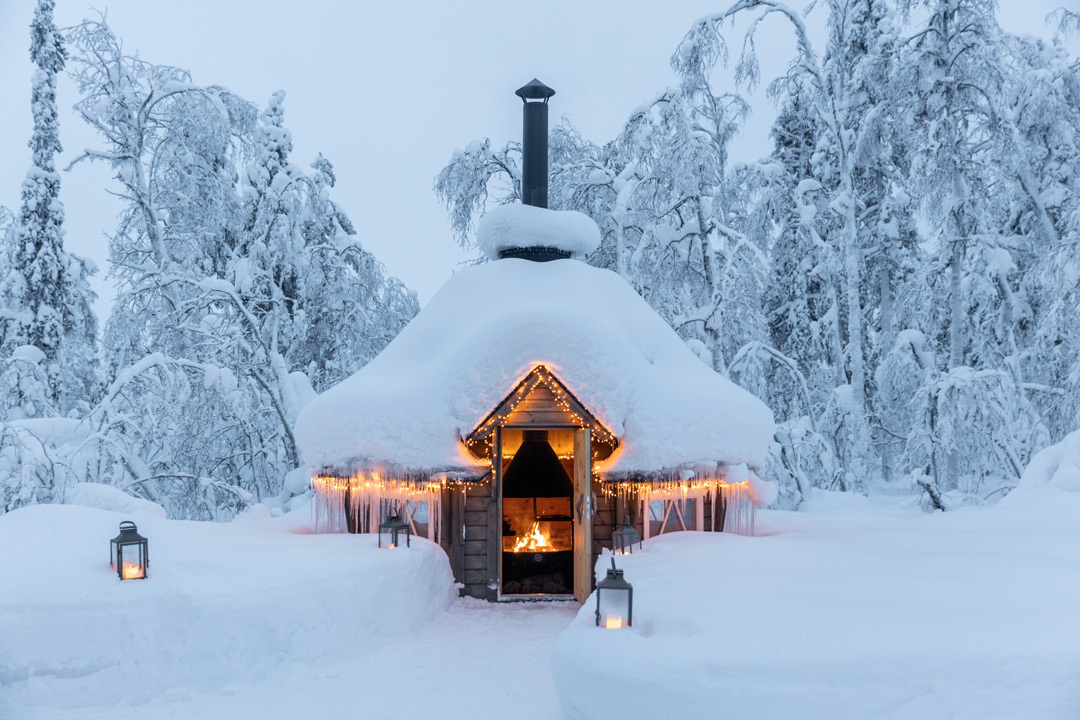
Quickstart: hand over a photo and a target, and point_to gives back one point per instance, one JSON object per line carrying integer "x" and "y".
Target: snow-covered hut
{"x": 531, "y": 405}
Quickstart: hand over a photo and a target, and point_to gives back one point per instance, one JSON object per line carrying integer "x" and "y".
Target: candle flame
{"x": 132, "y": 571}
{"x": 613, "y": 622}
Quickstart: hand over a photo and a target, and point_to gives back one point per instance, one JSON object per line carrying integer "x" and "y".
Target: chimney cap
{"x": 534, "y": 90}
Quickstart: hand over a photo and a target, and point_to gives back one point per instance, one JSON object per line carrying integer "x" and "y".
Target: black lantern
{"x": 390, "y": 529}
{"x": 128, "y": 553}
{"x": 622, "y": 540}
{"x": 614, "y": 600}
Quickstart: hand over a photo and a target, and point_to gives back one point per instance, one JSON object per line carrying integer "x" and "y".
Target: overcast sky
{"x": 387, "y": 91}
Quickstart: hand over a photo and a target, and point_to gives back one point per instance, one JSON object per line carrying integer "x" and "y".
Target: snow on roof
{"x": 519, "y": 226}
{"x": 486, "y": 329}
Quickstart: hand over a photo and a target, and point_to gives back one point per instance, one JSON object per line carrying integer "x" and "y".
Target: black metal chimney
{"x": 534, "y": 143}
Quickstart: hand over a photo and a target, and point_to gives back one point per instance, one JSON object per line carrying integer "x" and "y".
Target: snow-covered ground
{"x": 846, "y": 610}
{"x": 852, "y": 608}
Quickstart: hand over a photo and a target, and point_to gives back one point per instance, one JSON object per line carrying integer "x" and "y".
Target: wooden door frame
{"x": 581, "y": 511}
{"x": 582, "y": 551}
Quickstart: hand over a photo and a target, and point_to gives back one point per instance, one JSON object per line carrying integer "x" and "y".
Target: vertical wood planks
{"x": 582, "y": 510}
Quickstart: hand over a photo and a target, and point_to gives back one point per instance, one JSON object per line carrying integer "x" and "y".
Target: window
{"x": 673, "y": 514}
{"x": 416, "y": 512}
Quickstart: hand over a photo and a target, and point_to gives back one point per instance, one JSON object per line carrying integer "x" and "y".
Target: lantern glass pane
{"x": 112, "y": 554}
{"x": 133, "y": 564}
{"x": 614, "y": 607}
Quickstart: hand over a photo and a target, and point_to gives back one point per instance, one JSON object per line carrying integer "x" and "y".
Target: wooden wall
{"x": 472, "y": 523}
{"x": 471, "y": 515}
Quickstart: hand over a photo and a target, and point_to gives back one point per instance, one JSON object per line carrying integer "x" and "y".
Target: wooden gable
{"x": 541, "y": 400}
{"x": 540, "y": 408}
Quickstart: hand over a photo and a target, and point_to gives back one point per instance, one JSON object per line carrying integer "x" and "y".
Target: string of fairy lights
{"x": 478, "y": 440}
{"x": 730, "y": 498}
{"x": 363, "y": 498}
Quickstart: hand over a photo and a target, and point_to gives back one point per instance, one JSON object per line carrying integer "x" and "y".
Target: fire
{"x": 132, "y": 571}
{"x": 533, "y": 541}
{"x": 613, "y": 622}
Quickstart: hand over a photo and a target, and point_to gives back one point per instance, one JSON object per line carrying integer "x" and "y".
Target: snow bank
{"x": 106, "y": 497}
{"x": 487, "y": 328}
{"x": 224, "y": 603}
{"x": 517, "y": 226}
{"x": 1056, "y": 468}
{"x": 853, "y": 612}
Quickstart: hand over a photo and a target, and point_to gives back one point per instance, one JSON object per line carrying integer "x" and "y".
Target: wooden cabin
{"x": 531, "y": 406}
{"x": 527, "y": 411}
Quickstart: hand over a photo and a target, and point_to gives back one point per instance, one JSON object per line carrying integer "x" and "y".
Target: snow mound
{"x": 225, "y": 605}
{"x": 763, "y": 493}
{"x": 486, "y": 329}
{"x": 519, "y": 226}
{"x": 1056, "y": 468}
{"x": 848, "y": 614}
{"x": 106, "y": 497}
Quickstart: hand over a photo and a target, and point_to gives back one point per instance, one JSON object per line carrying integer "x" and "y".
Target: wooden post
{"x": 453, "y": 539}
{"x": 582, "y": 511}
{"x": 494, "y": 522}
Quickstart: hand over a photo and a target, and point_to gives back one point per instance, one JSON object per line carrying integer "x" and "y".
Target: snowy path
{"x": 478, "y": 657}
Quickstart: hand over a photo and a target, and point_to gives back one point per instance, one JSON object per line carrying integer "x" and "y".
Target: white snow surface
{"x": 107, "y": 497}
{"x": 1053, "y": 469}
{"x": 223, "y": 604}
{"x": 845, "y": 611}
{"x": 515, "y": 225}
{"x": 487, "y": 328}
{"x": 848, "y": 609}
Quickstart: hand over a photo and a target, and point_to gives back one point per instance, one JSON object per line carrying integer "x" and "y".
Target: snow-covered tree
{"x": 48, "y": 301}
{"x": 236, "y": 279}
{"x": 351, "y": 308}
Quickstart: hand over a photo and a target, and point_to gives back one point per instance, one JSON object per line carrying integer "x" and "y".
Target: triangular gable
{"x": 541, "y": 400}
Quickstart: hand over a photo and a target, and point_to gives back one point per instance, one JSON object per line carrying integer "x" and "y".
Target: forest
{"x": 897, "y": 279}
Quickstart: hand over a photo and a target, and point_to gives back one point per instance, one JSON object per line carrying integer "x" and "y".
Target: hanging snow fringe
{"x": 360, "y": 502}
{"x": 734, "y": 513}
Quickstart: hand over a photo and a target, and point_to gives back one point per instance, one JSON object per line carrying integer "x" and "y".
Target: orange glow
{"x": 391, "y": 547}
{"x": 613, "y": 623}
{"x": 533, "y": 541}
{"x": 656, "y": 489}
{"x": 132, "y": 571}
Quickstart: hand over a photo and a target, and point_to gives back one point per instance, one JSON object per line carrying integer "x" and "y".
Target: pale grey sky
{"x": 387, "y": 91}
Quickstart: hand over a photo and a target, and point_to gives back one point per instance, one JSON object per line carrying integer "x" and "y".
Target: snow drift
{"x": 1056, "y": 468}
{"x": 845, "y": 611}
{"x": 224, "y": 603}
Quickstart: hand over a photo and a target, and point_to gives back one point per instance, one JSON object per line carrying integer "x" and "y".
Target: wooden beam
{"x": 494, "y": 520}
{"x": 582, "y": 511}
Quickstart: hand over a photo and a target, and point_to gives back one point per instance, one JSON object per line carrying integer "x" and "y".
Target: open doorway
{"x": 537, "y": 523}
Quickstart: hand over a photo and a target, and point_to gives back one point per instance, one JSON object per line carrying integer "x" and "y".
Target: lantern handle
{"x": 127, "y": 525}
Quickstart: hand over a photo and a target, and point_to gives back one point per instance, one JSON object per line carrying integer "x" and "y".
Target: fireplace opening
{"x": 538, "y": 534}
